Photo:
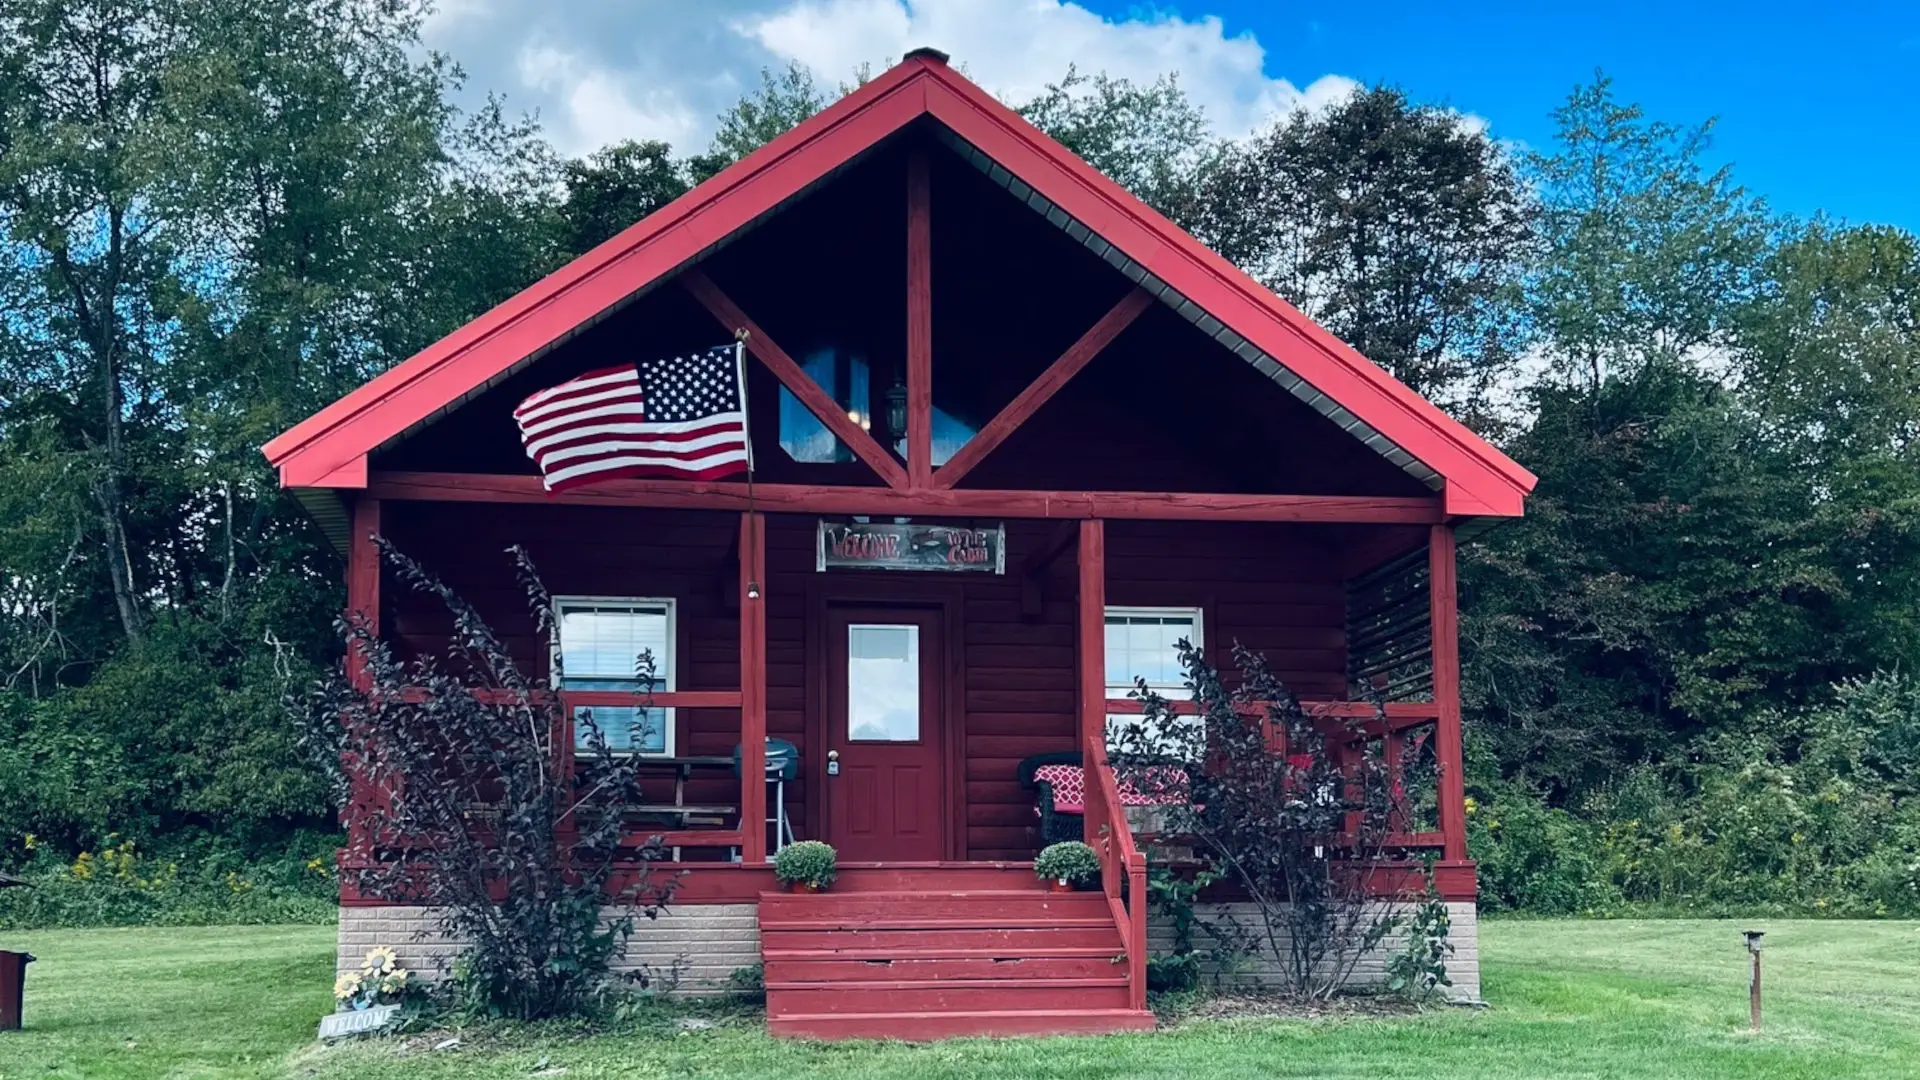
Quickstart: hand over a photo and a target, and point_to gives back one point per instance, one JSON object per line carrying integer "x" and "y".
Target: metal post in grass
{"x": 1753, "y": 985}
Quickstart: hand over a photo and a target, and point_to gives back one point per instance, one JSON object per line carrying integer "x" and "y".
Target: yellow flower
{"x": 380, "y": 960}
{"x": 32, "y": 841}
{"x": 346, "y": 987}
{"x": 1471, "y": 805}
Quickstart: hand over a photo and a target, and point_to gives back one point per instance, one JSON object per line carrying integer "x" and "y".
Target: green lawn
{"x": 1574, "y": 999}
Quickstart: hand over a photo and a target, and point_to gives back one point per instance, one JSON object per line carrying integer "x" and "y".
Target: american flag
{"x": 684, "y": 416}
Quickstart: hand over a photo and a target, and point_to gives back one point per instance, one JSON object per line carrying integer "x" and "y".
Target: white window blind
{"x": 599, "y": 647}
{"x": 1143, "y": 643}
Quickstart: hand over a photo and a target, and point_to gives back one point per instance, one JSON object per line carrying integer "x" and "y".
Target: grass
{"x": 1619, "y": 1000}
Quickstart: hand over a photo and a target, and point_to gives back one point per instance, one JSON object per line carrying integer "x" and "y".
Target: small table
{"x": 682, "y": 772}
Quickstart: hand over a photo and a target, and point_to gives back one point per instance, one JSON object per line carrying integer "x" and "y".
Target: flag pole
{"x": 740, "y": 335}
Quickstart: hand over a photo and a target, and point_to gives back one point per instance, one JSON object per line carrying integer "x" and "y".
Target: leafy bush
{"x": 457, "y": 804}
{"x": 1070, "y": 861}
{"x": 1264, "y": 820}
{"x": 1418, "y": 968}
{"x": 811, "y": 862}
{"x": 1812, "y": 812}
{"x": 120, "y": 886}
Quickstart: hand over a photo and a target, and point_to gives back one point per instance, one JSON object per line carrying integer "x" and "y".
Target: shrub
{"x": 450, "y": 777}
{"x": 810, "y": 862}
{"x": 1070, "y": 861}
{"x": 1268, "y": 822}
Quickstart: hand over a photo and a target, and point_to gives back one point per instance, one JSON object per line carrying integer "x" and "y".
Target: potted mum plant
{"x": 1067, "y": 866}
{"x": 805, "y": 866}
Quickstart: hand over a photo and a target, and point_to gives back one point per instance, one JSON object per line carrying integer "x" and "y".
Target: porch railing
{"x": 1351, "y": 727}
{"x": 1121, "y": 864}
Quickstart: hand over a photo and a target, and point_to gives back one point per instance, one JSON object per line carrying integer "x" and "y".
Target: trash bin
{"x": 13, "y": 981}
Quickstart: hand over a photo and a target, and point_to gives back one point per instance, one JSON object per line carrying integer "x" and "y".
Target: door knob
{"x": 833, "y": 763}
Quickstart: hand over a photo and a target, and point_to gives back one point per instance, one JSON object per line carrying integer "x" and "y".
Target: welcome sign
{"x": 860, "y": 545}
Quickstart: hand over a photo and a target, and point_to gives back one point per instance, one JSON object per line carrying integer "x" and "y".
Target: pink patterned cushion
{"x": 1069, "y": 786}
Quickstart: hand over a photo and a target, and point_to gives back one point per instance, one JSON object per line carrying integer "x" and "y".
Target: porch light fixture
{"x": 897, "y": 408}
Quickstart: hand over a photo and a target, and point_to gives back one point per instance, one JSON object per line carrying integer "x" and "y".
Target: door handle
{"x": 833, "y": 763}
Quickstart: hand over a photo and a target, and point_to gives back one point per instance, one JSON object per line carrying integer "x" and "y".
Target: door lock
{"x": 833, "y": 763}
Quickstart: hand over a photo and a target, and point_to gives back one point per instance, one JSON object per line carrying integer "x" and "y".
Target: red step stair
{"x": 910, "y": 960}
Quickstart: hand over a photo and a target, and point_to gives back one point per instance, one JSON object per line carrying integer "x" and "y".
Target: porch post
{"x": 363, "y": 578}
{"x": 1091, "y": 635}
{"x": 1444, "y": 614}
{"x": 919, "y": 325}
{"x": 753, "y": 689}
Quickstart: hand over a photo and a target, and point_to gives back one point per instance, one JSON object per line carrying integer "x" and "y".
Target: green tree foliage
{"x": 1397, "y": 226}
{"x": 214, "y": 218}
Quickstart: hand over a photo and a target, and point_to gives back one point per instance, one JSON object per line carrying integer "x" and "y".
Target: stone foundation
{"x": 1463, "y": 967}
{"x": 690, "y": 948}
{"x": 694, "y": 948}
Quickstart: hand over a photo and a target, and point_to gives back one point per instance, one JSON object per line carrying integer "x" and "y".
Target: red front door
{"x": 886, "y": 776}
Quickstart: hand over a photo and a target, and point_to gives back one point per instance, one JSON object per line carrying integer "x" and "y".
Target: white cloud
{"x": 601, "y": 70}
{"x": 1015, "y": 47}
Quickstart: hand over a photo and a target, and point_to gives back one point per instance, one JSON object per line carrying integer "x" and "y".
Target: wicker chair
{"x": 1055, "y": 825}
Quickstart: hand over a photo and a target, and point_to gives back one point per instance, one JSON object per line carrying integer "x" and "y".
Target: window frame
{"x": 667, "y": 672}
{"x": 1197, "y": 615}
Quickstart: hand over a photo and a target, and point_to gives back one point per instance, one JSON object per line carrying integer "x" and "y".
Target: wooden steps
{"x": 921, "y": 962}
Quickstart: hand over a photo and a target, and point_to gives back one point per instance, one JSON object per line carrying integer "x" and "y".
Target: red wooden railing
{"x": 1121, "y": 862}
{"x": 1349, "y": 726}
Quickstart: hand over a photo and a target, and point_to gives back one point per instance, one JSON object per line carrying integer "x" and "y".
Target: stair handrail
{"x": 1111, "y": 838}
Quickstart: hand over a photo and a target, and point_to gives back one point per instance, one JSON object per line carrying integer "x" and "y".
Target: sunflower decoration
{"x": 380, "y": 961}
{"x": 346, "y": 988}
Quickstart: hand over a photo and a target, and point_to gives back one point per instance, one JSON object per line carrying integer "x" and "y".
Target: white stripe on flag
{"x": 555, "y": 408}
{"x": 558, "y": 476}
{"x": 634, "y": 409}
{"x": 631, "y": 375}
{"x": 608, "y": 446}
{"x": 644, "y": 428}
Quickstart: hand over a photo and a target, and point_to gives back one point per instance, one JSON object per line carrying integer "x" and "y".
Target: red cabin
{"x": 1014, "y": 434}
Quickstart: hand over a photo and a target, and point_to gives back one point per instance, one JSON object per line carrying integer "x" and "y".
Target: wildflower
{"x": 32, "y": 841}
{"x": 1471, "y": 805}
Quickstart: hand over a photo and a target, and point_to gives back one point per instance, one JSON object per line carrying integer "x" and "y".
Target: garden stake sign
{"x": 1753, "y": 985}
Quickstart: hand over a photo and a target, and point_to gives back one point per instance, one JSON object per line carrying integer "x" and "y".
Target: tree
{"x": 616, "y": 186}
{"x": 1151, "y": 139}
{"x": 1398, "y": 227}
{"x": 783, "y": 100}
{"x": 1650, "y": 254}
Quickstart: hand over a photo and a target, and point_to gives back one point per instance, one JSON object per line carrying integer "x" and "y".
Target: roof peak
{"x": 927, "y": 52}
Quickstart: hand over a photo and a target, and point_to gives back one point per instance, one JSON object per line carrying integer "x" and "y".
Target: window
{"x": 844, "y": 377}
{"x": 599, "y": 645}
{"x": 883, "y": 682}
{"x": 848, "y": 380}
{"x": 1141, "y": 642}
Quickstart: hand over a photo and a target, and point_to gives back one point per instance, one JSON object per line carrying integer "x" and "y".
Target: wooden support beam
{"x": 753, "y": 689}
{"x": 794, "y": 378}
{"x": 1444, "y": 606}
{"x": 363, "y": 578}
{"x": 1092, "y": 636}
{"x": 1042, "y": 389}
{"x": 919, "y": 323}
{"x": 840, "y": 500}
{"x": 1033, "y": 570}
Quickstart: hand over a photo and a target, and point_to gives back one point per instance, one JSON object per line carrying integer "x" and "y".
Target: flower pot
{"x": 1060, "y": 885}
{"x": 803, "y": 887}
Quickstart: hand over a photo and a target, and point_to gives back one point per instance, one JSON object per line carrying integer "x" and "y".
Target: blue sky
{"x": 1816, "y": 101}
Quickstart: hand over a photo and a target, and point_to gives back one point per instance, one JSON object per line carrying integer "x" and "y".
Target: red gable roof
{"x": 330, "y": 448}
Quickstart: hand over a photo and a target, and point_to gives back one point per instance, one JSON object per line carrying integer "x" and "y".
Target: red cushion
{"x": 1069, "y": 786}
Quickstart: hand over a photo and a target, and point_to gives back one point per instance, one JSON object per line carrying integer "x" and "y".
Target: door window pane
{"x": 883, "y": 683}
